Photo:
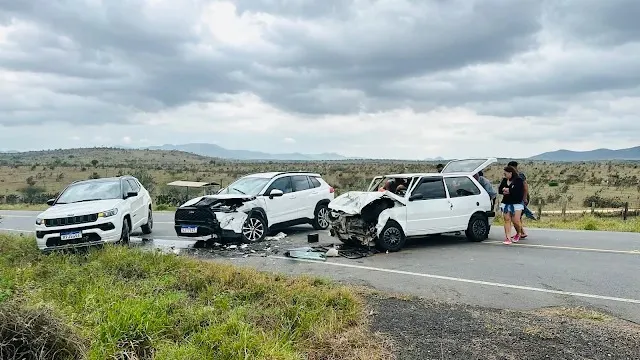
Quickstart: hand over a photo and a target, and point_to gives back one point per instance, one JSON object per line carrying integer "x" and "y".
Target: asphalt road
{"x": 549, "y": 268}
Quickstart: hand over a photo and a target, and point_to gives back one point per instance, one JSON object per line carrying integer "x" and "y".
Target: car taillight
{"x": 331, "y": 190}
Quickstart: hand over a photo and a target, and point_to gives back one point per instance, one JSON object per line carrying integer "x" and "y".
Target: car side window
{"x": 283, "y": 184}
{"x": 300, "y": 183}
{"x": 126, "y": 187}
{"x": 134, "y": 185}
{"x": 461, "y": 186}
{"x": 431, "y": 189}
{"x": 314, "y": 182}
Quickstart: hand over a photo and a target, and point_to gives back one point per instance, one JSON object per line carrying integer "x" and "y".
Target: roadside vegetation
{"x": 582, "y": 222}
{"x": 123, "y": 303}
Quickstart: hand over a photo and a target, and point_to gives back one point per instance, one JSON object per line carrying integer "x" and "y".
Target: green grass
{"x": 582, "y": 222}
{"x": 126, "y": 303}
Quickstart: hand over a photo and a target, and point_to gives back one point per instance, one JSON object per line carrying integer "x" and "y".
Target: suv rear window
{"x": 300, "y": 182}
{"x": 314, "y": 182}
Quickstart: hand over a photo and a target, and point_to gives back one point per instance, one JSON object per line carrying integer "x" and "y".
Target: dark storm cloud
{"x": 125, "y": 56}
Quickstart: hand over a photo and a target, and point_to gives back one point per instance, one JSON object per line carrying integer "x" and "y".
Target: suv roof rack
{"x": 297, "y": 172}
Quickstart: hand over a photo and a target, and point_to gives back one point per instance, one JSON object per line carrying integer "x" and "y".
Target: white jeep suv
{"x": 426, "y": 204}
{"x": 96, "y": 211}
{"x": 255, "y": 204}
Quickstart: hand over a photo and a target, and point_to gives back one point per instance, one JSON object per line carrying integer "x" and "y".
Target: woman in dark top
{"x": 512, "y": 190}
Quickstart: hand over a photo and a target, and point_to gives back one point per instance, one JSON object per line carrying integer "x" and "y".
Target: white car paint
{"x": 287, "y": 207}
{"x": 419, "y": 217}
{"x": 136, "y": 208}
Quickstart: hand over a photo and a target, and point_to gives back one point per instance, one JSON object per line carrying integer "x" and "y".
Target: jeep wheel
{"x": 321, "y": 218}
{"x": 391, "y": 238}
{"x": 125, "y": 236}
{"x": 254, "y": 229}
{"x": 478, "y": 228}
{"x": 148, "y": 227}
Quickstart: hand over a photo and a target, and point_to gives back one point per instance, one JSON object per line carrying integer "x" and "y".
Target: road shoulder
{"x": 420, "y": 329}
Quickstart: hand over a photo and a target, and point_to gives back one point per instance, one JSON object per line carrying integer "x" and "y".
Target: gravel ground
{"x": 426, "y": 330}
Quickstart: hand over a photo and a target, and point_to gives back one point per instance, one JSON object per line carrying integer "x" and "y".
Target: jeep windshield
{"x": 246, "y": 186}
{"x": 91, "y": 191}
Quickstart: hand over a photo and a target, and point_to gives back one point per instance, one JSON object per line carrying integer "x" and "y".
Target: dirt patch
{"x": 428, "y": 330}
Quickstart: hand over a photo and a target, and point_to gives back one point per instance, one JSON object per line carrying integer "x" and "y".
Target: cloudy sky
{"x": 375, "y": 78}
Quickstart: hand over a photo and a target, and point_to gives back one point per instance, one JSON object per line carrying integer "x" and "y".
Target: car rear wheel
{"x": 254, "y": 229}
{"x": 478, "y": 228}
{"x": 391, "y": 238}
{"x": 148, "y": 227}
{"x": 321, "y": 218}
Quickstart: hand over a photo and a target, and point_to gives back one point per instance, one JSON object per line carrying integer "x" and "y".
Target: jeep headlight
{"x": 108, "y": 213}
{"x": 39, "y": 221}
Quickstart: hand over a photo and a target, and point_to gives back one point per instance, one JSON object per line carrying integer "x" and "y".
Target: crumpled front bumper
{"x": 352, "y": 229}
{"x": 218, "y": 224}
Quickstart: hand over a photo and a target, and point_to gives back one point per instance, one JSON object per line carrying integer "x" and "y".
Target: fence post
{"x": 625, "y": 211}
{"x": 593, "y": 207}
{"x": 539, "y": 209}
{"x": 564, "y": 208}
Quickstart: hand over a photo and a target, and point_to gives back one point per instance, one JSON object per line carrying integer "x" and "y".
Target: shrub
{"x": 36, "y": 334}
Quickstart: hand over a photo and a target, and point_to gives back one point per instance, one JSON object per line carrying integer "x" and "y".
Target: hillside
{"x": 213, "y": 150}
{"x": 591, "y": 155}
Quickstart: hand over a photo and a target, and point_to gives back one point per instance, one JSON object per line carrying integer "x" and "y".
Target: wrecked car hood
{"x": 353, "y": 202}
{"x": 219, "y": 197}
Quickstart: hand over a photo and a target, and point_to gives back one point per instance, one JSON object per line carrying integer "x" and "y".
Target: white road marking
{"x": 470, "y": 281}
{"x": 634, "y": 252}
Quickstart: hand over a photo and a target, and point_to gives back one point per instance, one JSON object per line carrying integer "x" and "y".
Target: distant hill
{"x": 216, "y": 151}
{"x": 591, "y": 155}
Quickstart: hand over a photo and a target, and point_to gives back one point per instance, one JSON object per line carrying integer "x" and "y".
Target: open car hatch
{"x": 468, "y": 166}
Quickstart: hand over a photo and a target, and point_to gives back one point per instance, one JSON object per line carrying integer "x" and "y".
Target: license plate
{"x": 71, "y": 235}
{"x": 189, "y": 230}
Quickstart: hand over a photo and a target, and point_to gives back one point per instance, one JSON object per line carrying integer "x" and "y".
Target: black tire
{"x": 478, "y": 228}
{"x": 148, "y": 227}
{"x": 254, "y": 229}
{"x": 125, "y": 235}
{"x": 321, "y": 217}
{"x": 391, "y": 238}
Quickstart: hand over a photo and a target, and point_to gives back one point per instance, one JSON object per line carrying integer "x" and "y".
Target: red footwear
{"x": 507, "y": 241}
{"x": 523, "y": 236}
{"x": 516, "y": 238}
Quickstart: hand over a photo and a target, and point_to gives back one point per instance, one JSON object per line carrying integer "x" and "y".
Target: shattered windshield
{"x": 246, "y": 186}
{"x": 395, "y": 185}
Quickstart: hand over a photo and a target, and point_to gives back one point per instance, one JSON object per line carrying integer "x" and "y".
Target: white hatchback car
{"x": 96, "y": 211}
{"x": 431, "y": 203}
{"x": 255, "y": 204}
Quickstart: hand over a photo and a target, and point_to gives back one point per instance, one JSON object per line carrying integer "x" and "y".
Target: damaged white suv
{"x": 255, "y": 204}
{"x": 426, "y": 204}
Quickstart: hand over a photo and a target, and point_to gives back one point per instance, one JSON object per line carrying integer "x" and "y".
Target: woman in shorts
{"x": 512, "y": 190}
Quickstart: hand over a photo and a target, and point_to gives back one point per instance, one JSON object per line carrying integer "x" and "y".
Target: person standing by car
{"x": 512, "y": 189}
{"x": 486, "y": 184}
{"x": 525, "y": 196}
{"x": 439, "y": 168}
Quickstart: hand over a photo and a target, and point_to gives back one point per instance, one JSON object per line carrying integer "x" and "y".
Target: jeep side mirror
{"x": 415, "y": 197}
{"x": 50, "y": 202}
{"x": 275, "y": 193}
